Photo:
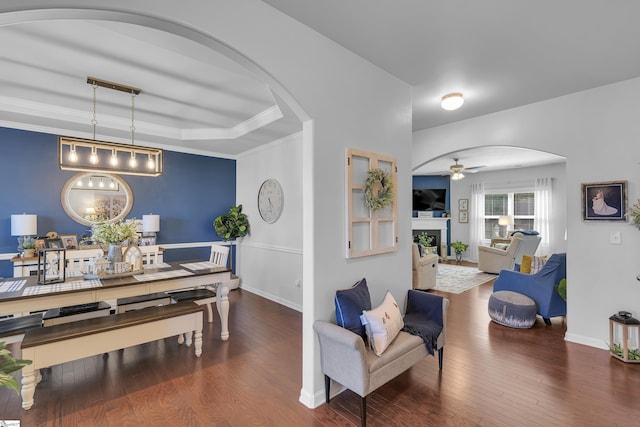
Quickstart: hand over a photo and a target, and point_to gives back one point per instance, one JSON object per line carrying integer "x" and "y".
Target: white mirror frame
{"x": 78, "y": 217}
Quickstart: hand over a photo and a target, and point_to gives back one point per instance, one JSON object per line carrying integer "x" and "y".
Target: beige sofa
{"x": 425, "y": 269}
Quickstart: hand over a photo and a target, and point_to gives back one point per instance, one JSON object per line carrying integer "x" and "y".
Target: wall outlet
{"x": 615, "y": 238}
{"x": 297, "y": 283}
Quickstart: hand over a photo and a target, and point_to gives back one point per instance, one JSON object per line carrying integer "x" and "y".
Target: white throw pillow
{"x": 383, "y": 324}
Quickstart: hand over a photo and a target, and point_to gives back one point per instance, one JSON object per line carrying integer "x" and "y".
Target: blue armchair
{"x": 540, "y": 286}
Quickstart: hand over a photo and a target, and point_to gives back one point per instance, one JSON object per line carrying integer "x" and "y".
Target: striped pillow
{"x": 537, "y": 263}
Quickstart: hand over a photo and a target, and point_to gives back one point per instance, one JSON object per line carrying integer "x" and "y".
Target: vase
{"x": 458, "y": 256}
{"x": 115, "y": 253}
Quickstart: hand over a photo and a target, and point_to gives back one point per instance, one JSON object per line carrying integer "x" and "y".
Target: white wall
{"x": 515, "y": 178}
{"x": 598, "y": 132}
{"x": 270, "y": 258}
{"x": 344, "y": 102}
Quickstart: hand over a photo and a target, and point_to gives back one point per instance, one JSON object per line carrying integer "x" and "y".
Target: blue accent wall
{"x": 420, "y": 181}
{"x": 192, "y": 191}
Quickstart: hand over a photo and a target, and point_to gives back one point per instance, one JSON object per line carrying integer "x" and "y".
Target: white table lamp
{"x": 23, "y": 226}
{"x": 505, "y": 221}
{"x": 150, "y": 223}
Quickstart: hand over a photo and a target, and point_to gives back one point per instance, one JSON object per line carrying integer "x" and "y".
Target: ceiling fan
{"x": 457, "y": 169}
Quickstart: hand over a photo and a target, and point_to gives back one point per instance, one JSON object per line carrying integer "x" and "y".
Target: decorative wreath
{"x": 378, "y": 191}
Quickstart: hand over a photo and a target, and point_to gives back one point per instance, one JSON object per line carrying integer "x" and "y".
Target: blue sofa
{"x": 541, "y": 287}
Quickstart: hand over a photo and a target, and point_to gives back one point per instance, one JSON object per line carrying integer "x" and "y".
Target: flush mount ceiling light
{"x": 86, "y": 155}
{"x": 452, "y": 101}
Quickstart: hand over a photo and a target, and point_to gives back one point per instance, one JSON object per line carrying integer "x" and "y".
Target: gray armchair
{"x": 346, "y": 358}
{"x": 493, "y": 260}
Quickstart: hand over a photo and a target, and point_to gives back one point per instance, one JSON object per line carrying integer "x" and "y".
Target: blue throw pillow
{"x": 349, "y": 306}
{"x": 526, "y": 232}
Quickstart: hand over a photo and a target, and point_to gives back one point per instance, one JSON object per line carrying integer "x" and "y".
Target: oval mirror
{"x": 94, "y": 197}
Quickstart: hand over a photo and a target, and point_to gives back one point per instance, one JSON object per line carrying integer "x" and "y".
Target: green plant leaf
{"x": 8, "y": 365}
{"x": 232, "y": 225}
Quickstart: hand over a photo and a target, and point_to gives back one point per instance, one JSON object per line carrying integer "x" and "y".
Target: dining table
{"x": 21, "y": 295}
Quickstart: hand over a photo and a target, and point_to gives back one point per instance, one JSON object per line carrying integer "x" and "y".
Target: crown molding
{"x": 68, "y": 115}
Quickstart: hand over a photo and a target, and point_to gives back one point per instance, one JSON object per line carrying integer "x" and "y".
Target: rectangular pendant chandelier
{"x": 89, "y": 155}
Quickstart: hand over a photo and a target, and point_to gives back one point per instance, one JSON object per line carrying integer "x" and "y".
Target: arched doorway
{"x": 26, "y": 12}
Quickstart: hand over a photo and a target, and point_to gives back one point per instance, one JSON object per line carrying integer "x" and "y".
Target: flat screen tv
{"x": 429, "y": 199}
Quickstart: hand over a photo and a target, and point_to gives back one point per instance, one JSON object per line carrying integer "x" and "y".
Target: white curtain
{"x": 542, "y": 213}
{"x": 476, "y": 220}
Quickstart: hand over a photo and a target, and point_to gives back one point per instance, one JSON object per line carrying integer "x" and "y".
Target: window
{"x": 519, "y": 205}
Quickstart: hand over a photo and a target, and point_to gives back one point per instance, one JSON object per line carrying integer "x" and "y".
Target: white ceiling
{"x": 193, "y": 99}
{"x": 501, "y": 54}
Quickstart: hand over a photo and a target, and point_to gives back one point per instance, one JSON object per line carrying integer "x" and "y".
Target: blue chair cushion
{"x": 349, "y": 306}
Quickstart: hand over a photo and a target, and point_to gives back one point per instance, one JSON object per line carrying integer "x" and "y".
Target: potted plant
{"x": 29, "y": 249}
{"x": 232, "y": 225}
{"x": 458, "y": 248}
{"x": 635, "y": 213}
{"x": 114, "y": 234}
{"x": 8, "y": 364}
{"x": 425, "y": 241}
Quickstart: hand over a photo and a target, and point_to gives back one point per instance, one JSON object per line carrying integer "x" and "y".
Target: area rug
{"x": 456, "y": 279}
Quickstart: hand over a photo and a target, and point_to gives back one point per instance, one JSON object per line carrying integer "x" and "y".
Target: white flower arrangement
{"x": 114, "y": 232}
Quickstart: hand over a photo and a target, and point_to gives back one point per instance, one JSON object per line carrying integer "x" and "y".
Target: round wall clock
{"x": 270, "y": 200}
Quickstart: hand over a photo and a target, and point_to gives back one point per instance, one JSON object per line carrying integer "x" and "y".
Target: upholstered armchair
{"x": 492, "y": 260}
{"x": 541, "y": 286}
{"x": 424, "y": 269}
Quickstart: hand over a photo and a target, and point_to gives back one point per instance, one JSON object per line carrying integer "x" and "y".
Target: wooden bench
{"x": 202, "y": 296}
{"x": 74, "y": 313}
{"x": 72, "y": 341}
{"x": 12, "y": 330}
{"x": 142, "y": 301}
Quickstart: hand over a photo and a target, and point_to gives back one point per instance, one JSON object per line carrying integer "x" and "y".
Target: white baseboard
{"x": 271, "y": 297}
{"x": 589, "y": 341}
{"x": 318, "y": 398}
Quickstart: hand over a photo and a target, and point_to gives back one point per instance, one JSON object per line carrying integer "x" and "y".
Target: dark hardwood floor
{"x": 493, "y": 376}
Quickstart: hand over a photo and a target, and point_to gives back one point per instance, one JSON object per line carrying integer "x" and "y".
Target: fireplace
{"x": 436, "y": 227}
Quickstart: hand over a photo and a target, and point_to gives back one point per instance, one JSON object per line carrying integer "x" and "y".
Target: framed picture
{"x": 54, "y": 243}
{"x": 41, "y": 243}
{"x": 604, "y": 201}
{"x": 148, "y": 241}
{"x": 70, "y": 241}
{"x": 463, "y": 217}
{"x": 463, "y": 205}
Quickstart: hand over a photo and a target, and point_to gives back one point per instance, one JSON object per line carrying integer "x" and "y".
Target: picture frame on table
{"x": 147, "y": 240}
{"x": 463, "y": 217}
{"x": 41, "y": 243}
{"x": 54, "y": 243}
{"x": 604, "y": 201}
{"x": 69, "y": 241}
{"x": 463, "y": 204}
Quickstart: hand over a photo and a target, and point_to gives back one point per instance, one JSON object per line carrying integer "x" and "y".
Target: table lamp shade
{"x": 505, "y": 220}
{"x": 150, "y": 223}
{"x": 24, "y": 225}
